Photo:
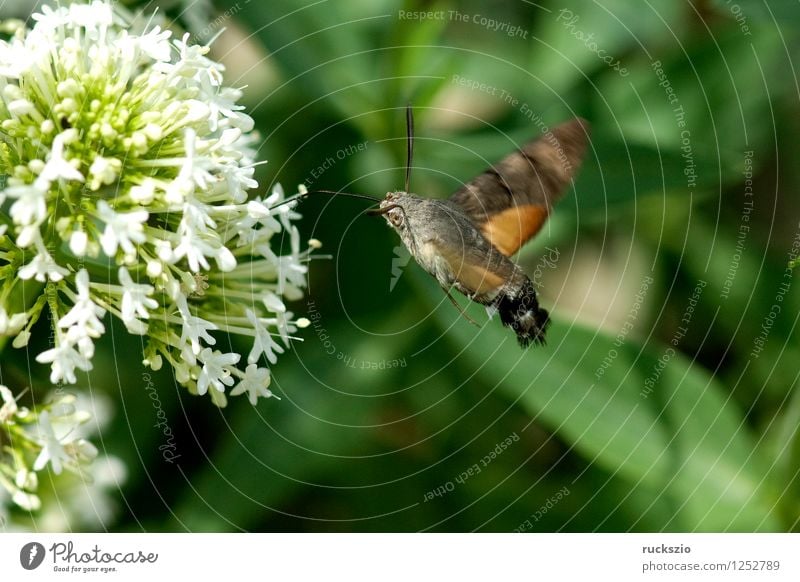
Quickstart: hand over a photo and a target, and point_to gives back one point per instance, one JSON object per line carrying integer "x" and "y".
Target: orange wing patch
{"x": 475, "y": 277}
{"x": 479, "y": 279}
{"x": 510, "y": 229}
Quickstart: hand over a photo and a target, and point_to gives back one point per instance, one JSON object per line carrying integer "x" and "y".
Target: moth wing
{"x": 511, "y": 201}
{"x": 479, "y": 273}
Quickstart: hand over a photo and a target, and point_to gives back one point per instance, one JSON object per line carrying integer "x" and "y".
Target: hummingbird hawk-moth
{"x": 466, "y": 241}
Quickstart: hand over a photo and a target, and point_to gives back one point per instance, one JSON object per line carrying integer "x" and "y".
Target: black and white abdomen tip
{"x": 521, "y": 312}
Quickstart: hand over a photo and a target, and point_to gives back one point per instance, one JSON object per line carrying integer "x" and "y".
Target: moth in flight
{"x": 465, "y": 241}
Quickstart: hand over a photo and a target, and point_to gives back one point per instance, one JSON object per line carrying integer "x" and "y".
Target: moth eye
{"x": 396, "y": 218}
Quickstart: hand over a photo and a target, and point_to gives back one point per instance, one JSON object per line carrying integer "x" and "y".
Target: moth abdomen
{"x": 521, "y": 312}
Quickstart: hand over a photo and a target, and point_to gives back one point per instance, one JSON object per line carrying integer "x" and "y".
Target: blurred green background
{"x": 666, "y": 396}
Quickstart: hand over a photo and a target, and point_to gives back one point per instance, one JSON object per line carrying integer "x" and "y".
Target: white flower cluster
{"x": 127, "y": 166}
{"x": 52, "y": 436}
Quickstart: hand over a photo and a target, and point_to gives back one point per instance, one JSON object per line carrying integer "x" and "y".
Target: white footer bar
{"x": 401, "y": 557}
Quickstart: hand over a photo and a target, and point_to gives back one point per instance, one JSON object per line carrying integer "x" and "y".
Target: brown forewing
{"x": 510, "y": 201}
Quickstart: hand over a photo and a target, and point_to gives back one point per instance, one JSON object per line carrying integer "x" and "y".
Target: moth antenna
{"x": 409, "y": 144}
{"x": 329, "y": 192}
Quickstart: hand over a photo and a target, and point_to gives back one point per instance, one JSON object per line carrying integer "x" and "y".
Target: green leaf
{"x": 713, "y": 98}
{"x": 684, "y": 439}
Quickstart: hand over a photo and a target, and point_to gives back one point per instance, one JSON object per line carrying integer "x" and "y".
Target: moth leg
{"x": 460, "y": 310}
